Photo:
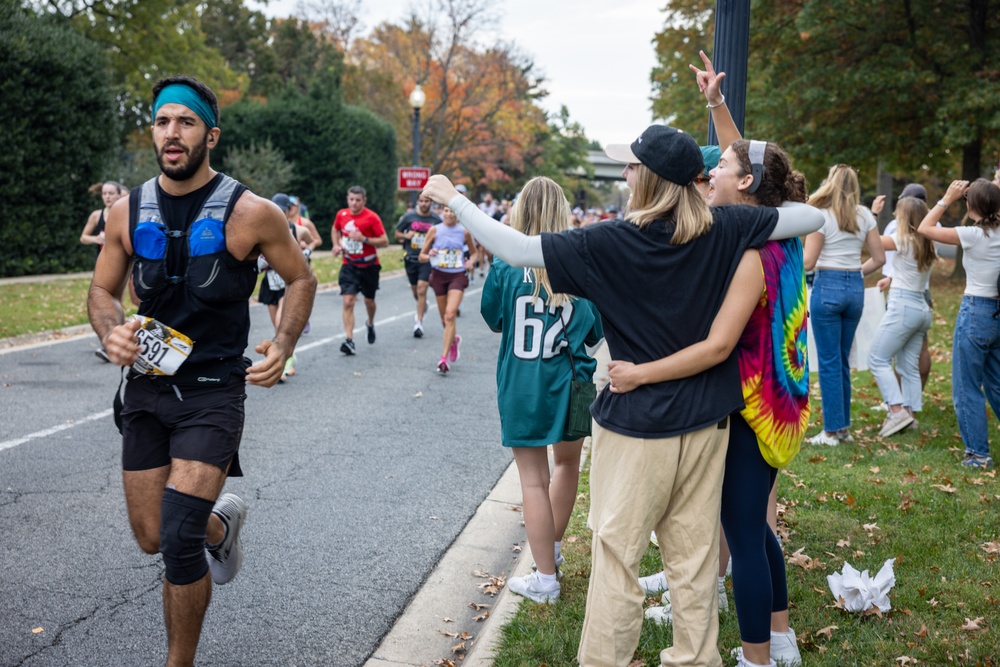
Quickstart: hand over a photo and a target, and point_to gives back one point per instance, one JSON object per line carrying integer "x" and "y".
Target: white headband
{"x": 756, "y": 154}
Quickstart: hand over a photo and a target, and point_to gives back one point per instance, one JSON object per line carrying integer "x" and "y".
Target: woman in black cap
{"x": 658, "y": 279}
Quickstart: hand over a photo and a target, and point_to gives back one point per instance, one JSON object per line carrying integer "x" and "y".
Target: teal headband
{"x": 179, "y": 93}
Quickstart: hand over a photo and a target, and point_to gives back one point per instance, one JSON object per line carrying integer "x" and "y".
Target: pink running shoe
{"x": 443, "y": 366}
{"x": 454, "y": 352}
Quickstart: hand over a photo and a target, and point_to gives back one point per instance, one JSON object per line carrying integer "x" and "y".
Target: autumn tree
{"x": 912, "y": 83}
{"x": 145, "y": 41}
{"x": 481, "y": 116}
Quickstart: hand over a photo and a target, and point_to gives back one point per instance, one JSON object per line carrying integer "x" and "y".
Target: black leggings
{"x": 759, "y": 585}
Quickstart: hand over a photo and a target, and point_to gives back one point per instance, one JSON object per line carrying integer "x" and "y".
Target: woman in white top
{"x": 903, "y": 329}
{"x": 975, "y": 351}
{"x": 838, "y": 294}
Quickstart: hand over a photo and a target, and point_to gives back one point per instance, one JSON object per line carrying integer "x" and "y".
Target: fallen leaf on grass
{"x": 991, "y": 547}
{"x": 870, "y": 528}
{"x": 947, "y": 488}
{"x": 572, "y": 539}
{"x": 817, "y": 459}
{"x": 910, "y": 478}
{"x": 973, "y": 624}
{"x": 933, "y": 603}
{"x": 922, "y": 632}
{"x": 874, "y": 470}
{"x": 828, "y": 631}
{"x": 846, "y": 542}
{"x": 906, "y": 660}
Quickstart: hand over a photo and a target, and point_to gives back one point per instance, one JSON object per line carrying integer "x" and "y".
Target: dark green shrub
{"x": 60, "y": 128}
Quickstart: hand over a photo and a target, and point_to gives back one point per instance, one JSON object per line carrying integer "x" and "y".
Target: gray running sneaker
{"x": 102, "y": 354}
{"x": 226, "y": 557}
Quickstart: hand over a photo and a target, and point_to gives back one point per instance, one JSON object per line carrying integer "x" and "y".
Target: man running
{"x": 411, "y": 229}
{"x": 191, "y": 237}
{"x": 357, "y": 232}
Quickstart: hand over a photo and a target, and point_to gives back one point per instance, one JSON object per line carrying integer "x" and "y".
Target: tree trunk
{"x": 971, "y": 159}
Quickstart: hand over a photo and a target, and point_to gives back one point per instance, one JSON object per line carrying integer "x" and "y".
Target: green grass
{"x": 920, "y": 507}
{"x": 28, "y": 308}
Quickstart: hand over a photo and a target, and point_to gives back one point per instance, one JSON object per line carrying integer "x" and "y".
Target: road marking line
{"x": 55, "y": 429}
{"x": 8, "y": 444}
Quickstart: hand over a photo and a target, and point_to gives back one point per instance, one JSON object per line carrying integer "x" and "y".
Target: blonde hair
{"x": 541, "y": 207}
{"x": 656, "y": 198}
{"x": 909, "y": 212}
{"x": 841, "y": 194}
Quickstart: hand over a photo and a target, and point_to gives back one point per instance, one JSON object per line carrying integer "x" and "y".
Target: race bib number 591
{"x": 162, "y": 349}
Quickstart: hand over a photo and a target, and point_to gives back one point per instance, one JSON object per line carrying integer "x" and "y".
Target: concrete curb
{"x": 415, "y": 638}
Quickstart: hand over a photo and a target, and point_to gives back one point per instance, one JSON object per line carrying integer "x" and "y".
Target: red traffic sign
{"x": 413, "y": 178}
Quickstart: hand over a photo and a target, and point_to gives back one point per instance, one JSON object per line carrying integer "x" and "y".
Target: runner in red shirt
{"x": 357, "y": 232}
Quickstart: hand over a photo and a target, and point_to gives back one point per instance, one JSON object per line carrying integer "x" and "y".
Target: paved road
{"x": 360, "y": 473}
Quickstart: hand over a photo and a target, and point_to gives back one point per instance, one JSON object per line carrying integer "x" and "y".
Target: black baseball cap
{"x": 669, "y": 153}
{"x": 914, "y": 190}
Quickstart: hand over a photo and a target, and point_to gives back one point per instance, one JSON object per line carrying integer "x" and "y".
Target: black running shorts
{"x": 206, "y": 426}
{"x": 354, "y": 279}
{"x": 418, "y": 271}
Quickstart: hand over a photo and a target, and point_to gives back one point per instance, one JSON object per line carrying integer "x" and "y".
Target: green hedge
{"x": 60, "y": 128}
{"x": 332, "y": 147}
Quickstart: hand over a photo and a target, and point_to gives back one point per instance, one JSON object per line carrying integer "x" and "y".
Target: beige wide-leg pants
{"x": 672, "y": 486}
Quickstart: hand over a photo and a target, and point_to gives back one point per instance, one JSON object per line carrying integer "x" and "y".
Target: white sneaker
{"x": 723, "y": 598}
{"x": 660, "y": 615}
{"x": 895, "y": 422}
{"x": 882, "y": 407}
{"x": 743, "y": 662}
{"x": 225, "y": 558}
{"x": 654, "y": 584}
{"x": 784, "y": 649}
{"x": 844, "y": 435}
{"x": 528, "y": 586}
{"x": 822, "y": 438}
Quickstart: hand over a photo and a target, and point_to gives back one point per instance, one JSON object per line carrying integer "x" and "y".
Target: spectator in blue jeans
{"x": 838, "y": 293}
{"x": 975, "y": 352}
{"x": 903, "y": 329}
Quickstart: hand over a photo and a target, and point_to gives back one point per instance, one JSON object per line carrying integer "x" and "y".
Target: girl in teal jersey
{"x": 540, "y": 330}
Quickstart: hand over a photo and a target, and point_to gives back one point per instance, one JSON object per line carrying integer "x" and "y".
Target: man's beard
{"x": 196, "y": 156}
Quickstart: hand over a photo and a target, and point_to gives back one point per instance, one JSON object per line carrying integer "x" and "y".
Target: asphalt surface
{"x": 360, "y": 473}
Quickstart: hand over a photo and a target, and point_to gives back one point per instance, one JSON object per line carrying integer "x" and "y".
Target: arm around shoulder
{"x": 741, "y": 298}
{"x": 796, "y": 219}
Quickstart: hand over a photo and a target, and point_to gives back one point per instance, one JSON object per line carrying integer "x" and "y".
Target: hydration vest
{"x": 208, "y": 298}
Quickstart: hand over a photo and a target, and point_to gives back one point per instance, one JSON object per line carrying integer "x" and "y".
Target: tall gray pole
{"x": 730, "y": 54}
{"x": 416, "y": 150}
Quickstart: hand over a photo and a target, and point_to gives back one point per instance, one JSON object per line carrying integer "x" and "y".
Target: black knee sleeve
{"x": 183, "y": 523}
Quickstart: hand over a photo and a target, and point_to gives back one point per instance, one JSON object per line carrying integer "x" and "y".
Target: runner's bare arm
{"x": 104, "y": 300}
{"x": 88, "y": 235}
{"x": 284, "y": 256}
{"x": 427, "y": 251}
{"x": 741, "y": 298}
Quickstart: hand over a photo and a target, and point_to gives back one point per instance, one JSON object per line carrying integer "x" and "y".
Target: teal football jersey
{"x": 533, "y": 366}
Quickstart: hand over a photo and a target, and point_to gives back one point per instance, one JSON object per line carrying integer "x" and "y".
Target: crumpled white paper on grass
{"x": 860, "y": 591}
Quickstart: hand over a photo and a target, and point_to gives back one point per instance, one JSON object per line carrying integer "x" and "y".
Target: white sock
{"x": 547, "y": 581}
{"x": 558, "y": 546}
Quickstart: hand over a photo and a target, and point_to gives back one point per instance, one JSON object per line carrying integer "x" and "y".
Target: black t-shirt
{"x": 421, "y": 224}
{"x": 656, "y": 298}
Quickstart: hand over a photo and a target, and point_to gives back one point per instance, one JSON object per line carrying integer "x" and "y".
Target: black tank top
{"x": 185, "y": 276}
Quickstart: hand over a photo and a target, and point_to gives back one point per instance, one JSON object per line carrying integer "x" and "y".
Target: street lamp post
{"x": 732, "y": 49}
{"x": 417, "y": 99}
